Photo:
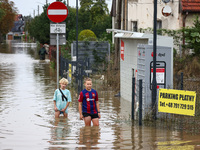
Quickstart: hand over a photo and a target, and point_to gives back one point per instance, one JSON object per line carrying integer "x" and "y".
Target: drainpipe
{"x": 126, "y": 14}
{"x": 184, "y": 20}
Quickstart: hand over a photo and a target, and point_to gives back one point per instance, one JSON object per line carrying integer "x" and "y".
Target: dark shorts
{"x": 61, "y": 112}
{"x": 93, "y": 116}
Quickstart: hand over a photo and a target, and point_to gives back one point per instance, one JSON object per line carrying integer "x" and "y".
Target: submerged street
{"x": 27, "y": 85}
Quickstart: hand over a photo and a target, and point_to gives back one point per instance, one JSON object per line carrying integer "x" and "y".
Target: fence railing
{"x": 78, "y": 70}
{"x": 141, "y": 99}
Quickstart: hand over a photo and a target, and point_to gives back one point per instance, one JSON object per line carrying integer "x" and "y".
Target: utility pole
{"x": 77, "y": 32}
{"x": 38, "y": 10}
{"x": 154, "y": 85}
{"x": 34, "y": 13}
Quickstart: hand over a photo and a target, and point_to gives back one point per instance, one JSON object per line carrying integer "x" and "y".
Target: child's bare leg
{"x": 87, "y": 121}
{"x": 57, "y": 114}
{"x": 95, "y": 121}
{"x": 65, "y": 114}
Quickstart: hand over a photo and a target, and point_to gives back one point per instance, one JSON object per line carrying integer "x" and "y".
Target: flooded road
{"x": 27, "y": 119}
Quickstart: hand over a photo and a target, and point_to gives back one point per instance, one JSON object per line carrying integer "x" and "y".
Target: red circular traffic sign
{"x": 57, "y": 12}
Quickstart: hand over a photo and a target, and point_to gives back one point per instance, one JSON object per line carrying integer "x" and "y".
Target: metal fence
{"x": 141, "y": 100}
{"x": 97, "y": 52}
{"x": 78, "y": 70}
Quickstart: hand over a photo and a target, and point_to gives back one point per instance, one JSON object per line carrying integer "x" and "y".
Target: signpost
{"x": 57, "y": 12}
{"x": 57, "y": 28}
{"x": 61, "y": 30}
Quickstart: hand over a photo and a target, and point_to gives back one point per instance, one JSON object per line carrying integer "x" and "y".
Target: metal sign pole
{"x": 154, "y": 88}
{"x": 57, "y": 57}
{"x": 77, "y": 33}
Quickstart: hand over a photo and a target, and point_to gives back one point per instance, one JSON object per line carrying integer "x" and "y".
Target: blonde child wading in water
{"x": 62, "y": 99}
{"x": 89, "y": 104}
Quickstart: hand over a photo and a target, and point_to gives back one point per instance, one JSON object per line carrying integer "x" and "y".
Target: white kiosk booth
{"x": 129, "y": 56}
{"x": 164, "y": 73}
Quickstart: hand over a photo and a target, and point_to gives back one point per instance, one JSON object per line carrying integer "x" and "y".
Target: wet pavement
{"x": 27, "y": 119}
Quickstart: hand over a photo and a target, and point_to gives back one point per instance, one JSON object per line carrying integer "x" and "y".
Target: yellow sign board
{"x": 177, "y": 101}
{"x": 70, "y": 70}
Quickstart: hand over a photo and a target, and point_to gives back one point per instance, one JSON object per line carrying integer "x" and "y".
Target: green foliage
{"x": 192, "y": 36}
{"x": 2, "y": 13}
{"x": 92, "y": 15}
{"x": 65, "y": 51}
{"x": 85, "y": 21}
{"x": 97, "y": 57}
{"x": 39, "y": 28}
{"x": 7, "y": 16}
{"x": 53, "y": 64}
{"x": 87, "y": 35}
{"x": 176, "y": 34}
{"x": 71, "y": 25}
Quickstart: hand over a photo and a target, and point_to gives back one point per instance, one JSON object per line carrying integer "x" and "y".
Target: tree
{"x": 192, "y": 36}
{"x": 2, "y": 13}
{"x": 39, "y": 27}
{"x": 71, "y": 24}
{"x": 89, "y": 18}
{"x": 93, "y": 15}
{"x": 100, "y": 18}
{"x": 7, "y": 17}
{"x": 85, "y": 14}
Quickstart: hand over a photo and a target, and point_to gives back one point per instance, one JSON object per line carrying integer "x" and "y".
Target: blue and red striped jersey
{"x": 88, "y": 99}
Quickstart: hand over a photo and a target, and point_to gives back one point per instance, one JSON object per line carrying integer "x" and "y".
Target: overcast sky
{"x": 28, "y": 7}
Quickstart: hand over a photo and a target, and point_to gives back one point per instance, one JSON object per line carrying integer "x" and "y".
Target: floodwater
{"x": 27, "y": 117}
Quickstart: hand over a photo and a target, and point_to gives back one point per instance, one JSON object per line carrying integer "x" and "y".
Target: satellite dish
{"x": 166, "y": 11}
{"x": 166, "y": 1}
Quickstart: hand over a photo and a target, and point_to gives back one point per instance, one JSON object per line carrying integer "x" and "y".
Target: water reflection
{"x": 60, "y": 131}
{"x": 89, "y": 137}
{"x": 27, "y": 115}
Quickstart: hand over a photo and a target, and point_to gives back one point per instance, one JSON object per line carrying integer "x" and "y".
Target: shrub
{"x": 87, "y": 35}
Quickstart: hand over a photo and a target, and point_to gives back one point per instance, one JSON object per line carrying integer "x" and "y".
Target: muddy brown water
{"x": 27, "y": 118}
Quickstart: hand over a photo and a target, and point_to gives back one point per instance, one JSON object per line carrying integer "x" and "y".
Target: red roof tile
{"x": 190, "y": 5}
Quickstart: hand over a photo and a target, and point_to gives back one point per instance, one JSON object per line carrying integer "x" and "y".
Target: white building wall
{"x": 190, "y": 19}
{"x": 130, "y": 60}
{"x": 143, "y": 12}
{"x": 126, "y": 66}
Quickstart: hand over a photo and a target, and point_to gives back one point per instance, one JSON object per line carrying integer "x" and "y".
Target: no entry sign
{"x": 57, "y": 12}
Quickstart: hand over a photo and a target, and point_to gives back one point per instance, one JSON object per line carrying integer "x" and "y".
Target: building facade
{"x": 16, "y": 32}
{"x": 132, "y": 15}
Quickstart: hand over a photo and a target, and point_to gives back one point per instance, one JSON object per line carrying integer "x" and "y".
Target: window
{"x": 159, "y": 24}
{"x": 133, "y": 72}
{"x": 134, "y": 26}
